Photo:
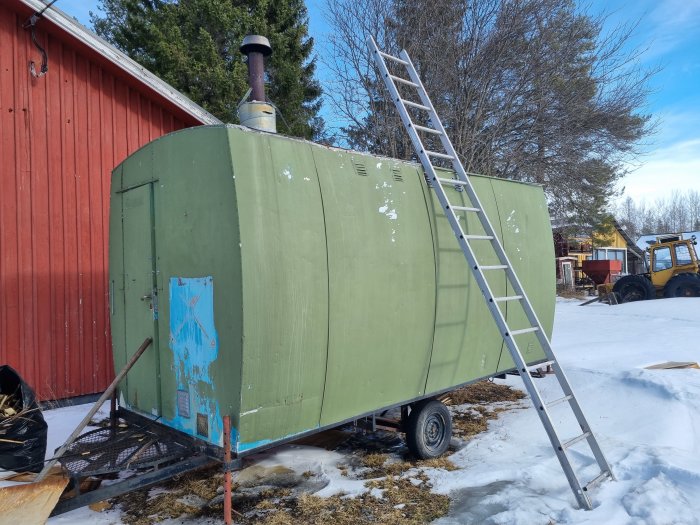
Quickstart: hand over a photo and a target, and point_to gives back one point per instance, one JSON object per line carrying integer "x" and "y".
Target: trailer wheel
{"x": 429, "y": 429}
{"x": 634, "y": 288}
{"x": 683, "y": 285}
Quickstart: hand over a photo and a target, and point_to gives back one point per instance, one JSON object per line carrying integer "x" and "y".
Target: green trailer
{"x": 296, "y": 287}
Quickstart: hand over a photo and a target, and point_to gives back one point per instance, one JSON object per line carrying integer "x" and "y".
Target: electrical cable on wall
{"x": 31, "y": 23}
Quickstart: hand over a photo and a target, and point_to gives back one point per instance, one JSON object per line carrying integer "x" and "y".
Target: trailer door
{"x": 142, "y": 390}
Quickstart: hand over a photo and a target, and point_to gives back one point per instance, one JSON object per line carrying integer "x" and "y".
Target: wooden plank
{"x": 31, "y": 502}
{"x": 82, "y": 175}
{"x": 57, "y": 217}
{"x": 98, "y": 268}
{"x": 40, "y": 224}
{"x": 70, "y": 232}
{"x": 673, "y": 365}
{"x": 23, "y": 196}
{"x": 9, "y": 338}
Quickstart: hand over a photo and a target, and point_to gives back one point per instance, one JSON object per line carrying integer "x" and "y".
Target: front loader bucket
{"x": 30, "y": 503}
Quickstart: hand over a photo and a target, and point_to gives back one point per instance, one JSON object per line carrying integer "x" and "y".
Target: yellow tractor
{"x": 673, "y": 271}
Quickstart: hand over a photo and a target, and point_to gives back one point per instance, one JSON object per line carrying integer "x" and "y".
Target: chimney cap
{"x": 256, "y": 43}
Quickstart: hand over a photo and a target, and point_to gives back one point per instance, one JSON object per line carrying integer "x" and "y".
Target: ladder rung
{"x": 451, "y": 181}
{"x": 415, "y": 105}
{"x": 575, "y": 440}
{"x": 403, "y": 81}
{"x": 427, "y": 130}
{"x": 508, "y": 298}
{"x": 478, "y": 237}
{"x": 524, "y": 331}
{"x": 438, "y": 155}
{"x": 494, "y": 267}
{"x": 464, "y": 208}
{"x": 558, "y": 401}
{"x": 392, "y": 57}
{"x": 597, "y": 480}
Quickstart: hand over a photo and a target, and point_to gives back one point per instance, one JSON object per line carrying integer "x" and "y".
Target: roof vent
{"x": 360, "y": 168}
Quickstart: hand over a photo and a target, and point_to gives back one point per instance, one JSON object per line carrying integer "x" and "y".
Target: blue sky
{"x": 670, "y": 33}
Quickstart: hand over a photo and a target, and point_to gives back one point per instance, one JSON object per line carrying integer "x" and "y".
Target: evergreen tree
{"x": 194, "y": 46}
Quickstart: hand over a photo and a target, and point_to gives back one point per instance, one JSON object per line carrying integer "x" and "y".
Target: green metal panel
{"x": 285, "y": 286}
{"x": 143, "y": 389}
{"x": 134, "y": 313}
{"x": 196, "y": 238}
{"x": 381, "y": 282}
{"x": 467, "y": 344}
{"x": 300, "y": 286}
{"x": 524, "y": 220}
{"x": 117, "y": 319}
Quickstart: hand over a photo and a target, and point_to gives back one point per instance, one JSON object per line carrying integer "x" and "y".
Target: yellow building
{"x": 617, "y": 245}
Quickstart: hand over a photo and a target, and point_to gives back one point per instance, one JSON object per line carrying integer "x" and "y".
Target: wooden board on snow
{"x": 670, "y": 365}
{"x": 30, "y": 503}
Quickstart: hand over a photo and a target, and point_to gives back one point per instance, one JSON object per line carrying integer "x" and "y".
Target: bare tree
{"x": 531, "y": 90}
{"x": 678, "y": 213}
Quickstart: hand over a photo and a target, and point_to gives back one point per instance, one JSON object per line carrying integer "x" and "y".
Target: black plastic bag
{"x": 22, "y": 427}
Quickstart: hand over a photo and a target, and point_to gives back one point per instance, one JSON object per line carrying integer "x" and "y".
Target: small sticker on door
{"x": 183, "y": 403}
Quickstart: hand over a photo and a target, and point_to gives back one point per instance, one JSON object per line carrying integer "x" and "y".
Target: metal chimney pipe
{"x": 256, "y": 47}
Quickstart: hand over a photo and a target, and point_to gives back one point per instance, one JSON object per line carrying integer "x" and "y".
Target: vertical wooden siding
{"x": 60, "y": 137}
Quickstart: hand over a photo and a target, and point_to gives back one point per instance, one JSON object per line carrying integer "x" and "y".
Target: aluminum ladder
{"x": 509, "y": 335}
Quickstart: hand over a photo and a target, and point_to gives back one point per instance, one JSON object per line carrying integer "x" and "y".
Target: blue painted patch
{"x": 195, "y": 346}
{"x": 243, "y": 447}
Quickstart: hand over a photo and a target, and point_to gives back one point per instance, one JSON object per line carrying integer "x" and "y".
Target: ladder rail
{"x": 512, "y": 279}
{"x": 473, "y": 197}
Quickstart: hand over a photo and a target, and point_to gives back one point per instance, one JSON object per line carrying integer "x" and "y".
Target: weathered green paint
{"x": 522, "y": 214}
{"x": 139, "y": 281}
{"x": 382, "y": 283}
{"x": 338, "y": 287}
{"x": 466, "y": 342}
{"x": 285, "y": 285}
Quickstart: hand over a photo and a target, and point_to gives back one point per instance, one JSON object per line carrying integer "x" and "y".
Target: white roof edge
{"x": 111, "y": 53}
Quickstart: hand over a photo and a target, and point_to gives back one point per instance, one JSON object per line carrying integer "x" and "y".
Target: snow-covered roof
{"x": 647, "y": 240}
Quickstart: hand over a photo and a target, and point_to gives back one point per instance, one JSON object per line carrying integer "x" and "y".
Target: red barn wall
{"x": 60, "y": 137}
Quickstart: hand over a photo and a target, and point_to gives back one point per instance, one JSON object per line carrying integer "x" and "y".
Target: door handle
{"x": 147, "y": 297}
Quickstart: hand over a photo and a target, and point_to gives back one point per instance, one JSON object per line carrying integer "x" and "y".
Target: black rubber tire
{"x": 429, "y": 429}
{"x": 683, "y": 285}
{"x": 634, "y": 288}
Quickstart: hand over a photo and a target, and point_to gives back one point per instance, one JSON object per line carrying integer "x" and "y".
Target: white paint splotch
{"x": 389, "y": 212}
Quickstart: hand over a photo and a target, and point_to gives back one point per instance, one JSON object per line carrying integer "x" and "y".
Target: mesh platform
{"x": 122, "y": 447}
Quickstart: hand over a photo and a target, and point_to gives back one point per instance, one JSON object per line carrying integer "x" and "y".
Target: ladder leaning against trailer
{"x": 434, "y": 127}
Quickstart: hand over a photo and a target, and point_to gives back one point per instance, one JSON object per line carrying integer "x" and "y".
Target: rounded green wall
{"x": 338, "y": 286}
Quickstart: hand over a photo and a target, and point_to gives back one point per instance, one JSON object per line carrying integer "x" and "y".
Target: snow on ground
{"x": 647, "y": 423}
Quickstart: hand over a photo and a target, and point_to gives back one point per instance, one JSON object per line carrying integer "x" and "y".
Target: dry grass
{"x": 469, "y": 424}
{"x": 397, "y": 495}
{"x": 441, "y": 463}
{"x": 571, "y": 293}
{"x": 381, "y": 465}
{"x": 401, "y": 503}
{"x": 484, "y": 392}
{"x": 481, "y": 395}
{"x": 140, "y": 509}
